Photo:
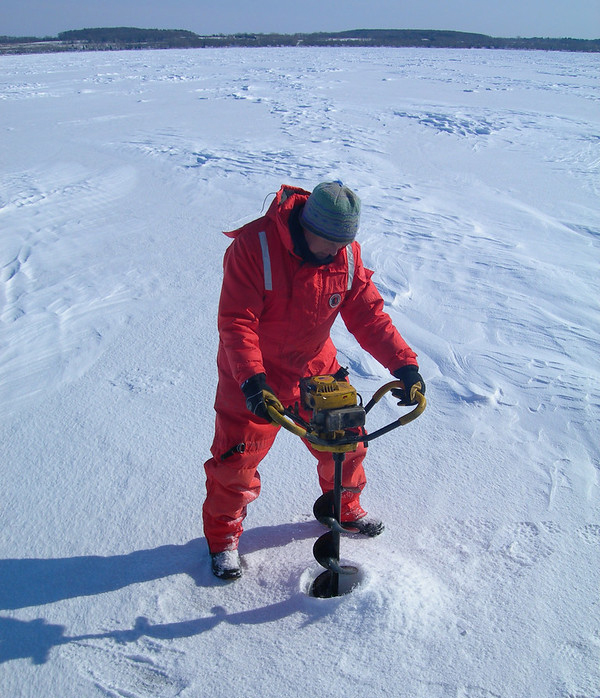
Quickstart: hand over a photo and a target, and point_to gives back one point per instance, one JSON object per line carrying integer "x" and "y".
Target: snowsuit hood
{"x": 278, "y": 214}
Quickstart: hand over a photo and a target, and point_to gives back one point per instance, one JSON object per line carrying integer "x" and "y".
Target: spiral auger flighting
{"x": 337, "y": 426}
{"x": 327, "y": 510}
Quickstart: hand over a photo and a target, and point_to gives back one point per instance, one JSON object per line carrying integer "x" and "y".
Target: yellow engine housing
{"x": 335, "y": 411}
{"x": 325, "y": 393}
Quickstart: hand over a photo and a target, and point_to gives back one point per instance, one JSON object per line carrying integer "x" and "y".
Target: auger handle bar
{"x": 285, "y": 419}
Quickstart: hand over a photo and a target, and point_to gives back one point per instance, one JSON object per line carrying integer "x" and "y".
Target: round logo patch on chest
{"x": 335, "y": 300}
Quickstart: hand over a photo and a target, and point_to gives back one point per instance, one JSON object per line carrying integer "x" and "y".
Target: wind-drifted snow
{"x": 479, "y": 176}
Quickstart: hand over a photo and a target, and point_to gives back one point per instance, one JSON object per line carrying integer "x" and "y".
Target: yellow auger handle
{"x": 420, "y": 398}
{"x": 282, "y": 420}
{"x": 278, "y": 417}
{"x": 419, "y": 409}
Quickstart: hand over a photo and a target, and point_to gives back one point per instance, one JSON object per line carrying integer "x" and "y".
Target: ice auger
{"x": 337, "y": 426}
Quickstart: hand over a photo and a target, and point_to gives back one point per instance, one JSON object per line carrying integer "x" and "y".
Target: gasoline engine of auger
{"x": 337, "y": 426}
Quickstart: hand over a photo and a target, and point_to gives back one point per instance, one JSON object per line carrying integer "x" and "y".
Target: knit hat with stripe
{"x": 332, "y": 212}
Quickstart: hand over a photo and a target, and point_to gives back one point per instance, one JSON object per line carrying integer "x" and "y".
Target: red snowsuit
{"x": 275, "y": 316}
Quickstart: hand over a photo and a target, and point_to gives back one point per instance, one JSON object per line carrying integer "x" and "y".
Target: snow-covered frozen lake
{"x": 479, "y": 173}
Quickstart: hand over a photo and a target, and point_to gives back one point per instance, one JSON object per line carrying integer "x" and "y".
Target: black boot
{"x": 226, "y": 565}
{"x": 365, "y": 527}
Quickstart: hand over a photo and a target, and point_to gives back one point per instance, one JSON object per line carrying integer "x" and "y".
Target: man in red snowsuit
{"x": 287, "y": 275}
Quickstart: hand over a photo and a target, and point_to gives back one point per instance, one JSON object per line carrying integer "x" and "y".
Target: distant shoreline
{"x": 132, "y": 38}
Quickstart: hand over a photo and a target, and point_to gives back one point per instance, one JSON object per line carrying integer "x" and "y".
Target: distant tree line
{"x": 129, "y": 35}
{"x": 127, "y": 38}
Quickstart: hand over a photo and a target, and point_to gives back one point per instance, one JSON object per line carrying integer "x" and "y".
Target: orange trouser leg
{"x": 232, "y": 483}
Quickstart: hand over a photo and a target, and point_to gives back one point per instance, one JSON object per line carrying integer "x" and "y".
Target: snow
{"x": 479, "y": 176}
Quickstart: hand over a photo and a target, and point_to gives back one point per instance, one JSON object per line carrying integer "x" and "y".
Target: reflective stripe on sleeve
{"x": 266, "y": 260}
{"x": 350, "y": 255}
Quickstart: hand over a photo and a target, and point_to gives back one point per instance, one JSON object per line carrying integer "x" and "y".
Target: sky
{"x": 553, "y": 18}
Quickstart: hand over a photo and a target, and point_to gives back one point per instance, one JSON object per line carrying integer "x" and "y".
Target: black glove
{"x": 413, "y": 382}
{"x": 258, "y": 394}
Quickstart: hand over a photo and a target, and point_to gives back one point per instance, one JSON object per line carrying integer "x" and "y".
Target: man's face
{"x": 324, "y": 250}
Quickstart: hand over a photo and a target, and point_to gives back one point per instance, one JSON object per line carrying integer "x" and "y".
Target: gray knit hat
{"x": 332, "y": 212}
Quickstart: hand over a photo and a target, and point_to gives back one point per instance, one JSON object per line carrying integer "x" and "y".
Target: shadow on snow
{"x": 36, "y": 582}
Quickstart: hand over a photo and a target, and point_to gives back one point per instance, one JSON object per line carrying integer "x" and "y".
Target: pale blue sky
{"x": 554, "y": 18}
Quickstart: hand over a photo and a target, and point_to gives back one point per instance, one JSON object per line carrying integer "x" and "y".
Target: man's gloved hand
{"x": 258, "y": 394}
{"x": 413, "y": 382}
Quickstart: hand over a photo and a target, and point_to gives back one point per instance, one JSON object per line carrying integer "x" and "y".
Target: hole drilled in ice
{"x": 347, "y": 582}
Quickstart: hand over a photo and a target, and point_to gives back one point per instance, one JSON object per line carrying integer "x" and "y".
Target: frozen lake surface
{"x": 479, "y": 177}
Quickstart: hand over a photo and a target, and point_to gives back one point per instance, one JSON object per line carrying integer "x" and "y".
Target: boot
{"x": 365, "y": 526}
{"x": 226, "y": 565}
